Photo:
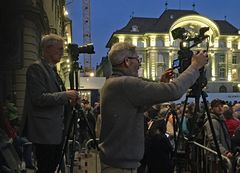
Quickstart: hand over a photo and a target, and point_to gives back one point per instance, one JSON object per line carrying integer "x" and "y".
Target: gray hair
{"x": 119, "y": 51}
{"x": 49, "y": 40}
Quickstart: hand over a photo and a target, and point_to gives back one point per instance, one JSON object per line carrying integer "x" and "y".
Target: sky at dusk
{"x": 108, "y": 16}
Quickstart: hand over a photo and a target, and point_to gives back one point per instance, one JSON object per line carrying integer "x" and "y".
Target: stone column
{"x": 152, "y": 63}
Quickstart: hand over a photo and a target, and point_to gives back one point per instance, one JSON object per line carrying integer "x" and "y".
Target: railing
{"x": 200, "y": 159}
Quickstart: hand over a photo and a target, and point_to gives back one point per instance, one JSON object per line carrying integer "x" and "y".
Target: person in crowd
{"x": 96, "y": 108}
{"x": 21, "y": 144}
{"x": 220, "y": 129}
{"x": 186, "y": 119}
{"x": 45, "y": 105}
{"x": 158, "y": 148}
{"x": 235, "y": 141}
{"x": 170, "y": 119}
{"x": 88, "y": 110}
{"x": 153, "y": 111}
{"x": 231, "y": 122}
{"x": 97, "y": 114}
{"x": 124, "y": 98}
{"x": 87, "y": 123}
{"x": 226, "y": 107}
{"x": 236, "y": 110}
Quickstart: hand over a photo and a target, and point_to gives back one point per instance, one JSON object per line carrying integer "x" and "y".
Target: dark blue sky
{"x": 108, "y": 16}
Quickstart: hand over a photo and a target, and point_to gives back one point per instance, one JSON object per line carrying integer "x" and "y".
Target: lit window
{"x": 160, "y": 58}
{"x": 222, "y": 58}
{"x": 222, "y": 73}
{"x": 234, "y": 59}
{"x": 235, "y": 46}
{"x": 234, "y": 74}
{"x": 159, "y": 43}
{"x": 160, "y": 70}
{"x": 140, "y": 43}
{"x": 135, "y": 28}
{"x": 176, "y": 43}
{"x": 222, "y": 44}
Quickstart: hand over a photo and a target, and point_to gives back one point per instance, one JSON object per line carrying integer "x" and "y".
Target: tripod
{"x": 175, "y": 120}
{"x": 193, "y": 93}
{"x": 77, "y": 113}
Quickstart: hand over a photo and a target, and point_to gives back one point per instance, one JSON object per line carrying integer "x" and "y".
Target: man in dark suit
{"x": 45, "y": 103}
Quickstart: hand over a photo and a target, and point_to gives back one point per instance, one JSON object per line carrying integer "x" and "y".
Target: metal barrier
{"x": 201, "y": 159}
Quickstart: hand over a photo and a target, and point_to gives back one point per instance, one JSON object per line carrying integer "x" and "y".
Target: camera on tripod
{"x": 74, "y": 50}
{"x": 188, "y": 41}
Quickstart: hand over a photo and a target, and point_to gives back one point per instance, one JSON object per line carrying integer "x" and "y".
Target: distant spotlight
{"x": 91, "y": 74}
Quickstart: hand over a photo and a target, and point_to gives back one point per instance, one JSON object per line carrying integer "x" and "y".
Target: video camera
{"x": 189, "y": 40}
{"x": 74, "y": 50}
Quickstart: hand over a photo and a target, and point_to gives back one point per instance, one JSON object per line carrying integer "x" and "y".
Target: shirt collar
{"x": 52, "y": 66}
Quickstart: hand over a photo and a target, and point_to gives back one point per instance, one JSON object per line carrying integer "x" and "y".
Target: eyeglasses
{"x": 136, "y": 57}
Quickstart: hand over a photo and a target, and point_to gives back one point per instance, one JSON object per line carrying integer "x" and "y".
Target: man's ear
{"x": 127, "y": 63}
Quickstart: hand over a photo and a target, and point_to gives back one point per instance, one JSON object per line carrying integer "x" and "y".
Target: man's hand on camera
{"x": 200, "y": 59}
{"x": 167, "y": 75}
{"x": 72, "y": 95}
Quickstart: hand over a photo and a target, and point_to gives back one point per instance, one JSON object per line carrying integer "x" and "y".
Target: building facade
{"x": 157, "y": 48}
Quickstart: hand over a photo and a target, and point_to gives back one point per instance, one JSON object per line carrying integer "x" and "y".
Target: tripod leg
{"x": 73, "y": 146}
{"x": 180, "y": 125}
{"x": 65, "y": 142}
{"x": 178, "y": 136}
{"x": 90, "y": 131}
{"x": 212, "y": 130}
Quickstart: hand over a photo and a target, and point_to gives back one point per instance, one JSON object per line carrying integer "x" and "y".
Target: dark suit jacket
{"x": 44, "y": 105}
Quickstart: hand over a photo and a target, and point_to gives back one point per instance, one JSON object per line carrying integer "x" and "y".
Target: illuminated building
{"x": 158, "y": 49}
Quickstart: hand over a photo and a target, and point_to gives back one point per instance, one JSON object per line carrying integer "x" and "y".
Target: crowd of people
{"x": 9, "y": 132}
{"x": 159, "y": 134}
{"x": 136, "y": 131}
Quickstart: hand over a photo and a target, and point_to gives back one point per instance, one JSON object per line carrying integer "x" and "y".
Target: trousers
{"x": 108, "y": 169}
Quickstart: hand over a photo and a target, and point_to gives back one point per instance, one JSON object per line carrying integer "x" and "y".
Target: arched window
{"x": 222, "y": 89}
